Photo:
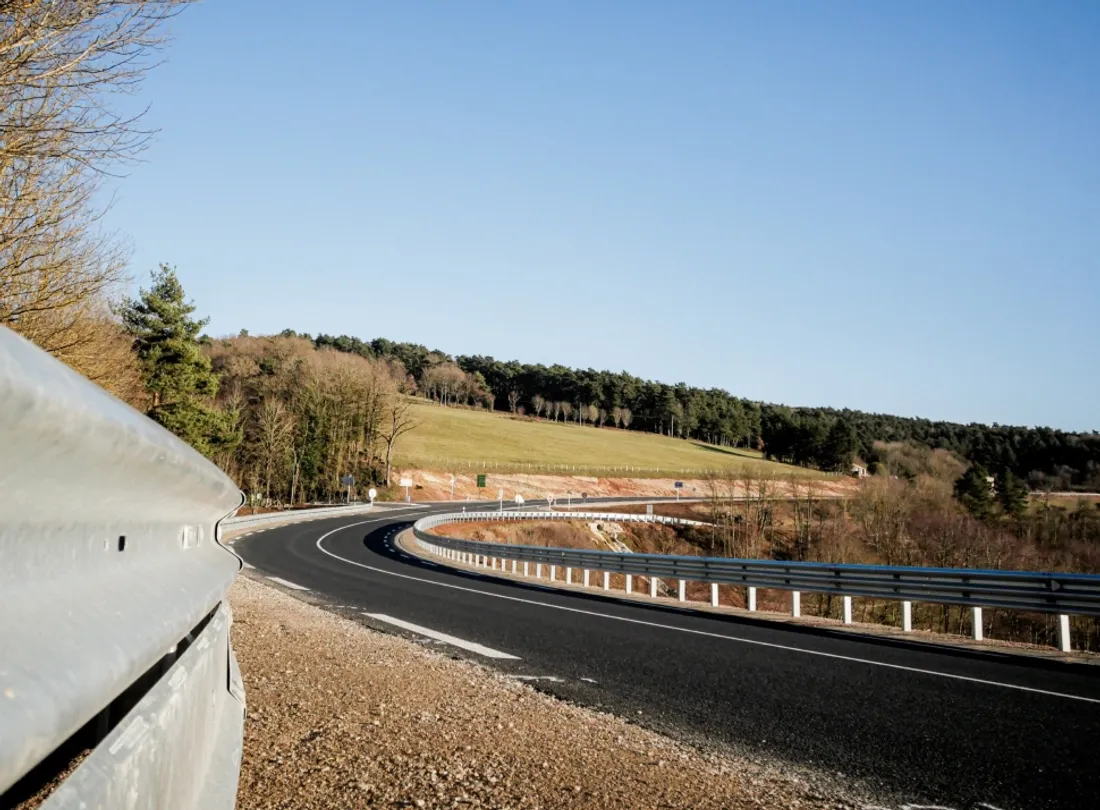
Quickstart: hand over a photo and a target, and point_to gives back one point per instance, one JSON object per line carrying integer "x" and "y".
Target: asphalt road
{"x": 910, "y": 723}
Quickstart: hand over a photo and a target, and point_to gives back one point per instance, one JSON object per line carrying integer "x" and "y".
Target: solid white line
{"x": 288, "y": 584}
{"x": 658, "y": 625}
{"x": 470, "y": 646}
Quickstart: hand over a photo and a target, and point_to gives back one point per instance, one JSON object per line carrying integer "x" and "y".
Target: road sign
{"x": 481, "y": 481}
{"x": 406, "y": 482}
{"x": 372, "y": 494}
{"x": 347, "y": 481}
{"x": 584, "y": 496}
{"x": 679, "y": 485}
{"x": 519, "y": 500}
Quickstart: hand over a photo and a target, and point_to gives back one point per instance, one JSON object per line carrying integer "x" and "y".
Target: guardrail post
{"x": 1065, "y": 643}
{"x": 526, "y": 570}
{"x": 653, "y": 587}
{"x": 538, "y": 570}
{"x": 796, "y": 604}
{"x": 568, "y": 576}
{"x": 607, "y": 580}
{"x": 847, "y": 610}
{"x": 907, "y": 617}
{"x": 586, "y": 577}
{"x": 515, "y": 564}
{"x": 681, "y": 593}
{"x": 629, "y": 583}
{"x": 553, "y": 572}
{"x": 976, "y": 623}
{"x": 714, "y": 594}
{"x": 750, "y": 601}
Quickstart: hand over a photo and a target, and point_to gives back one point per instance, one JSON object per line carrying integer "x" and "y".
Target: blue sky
{"x": 887, "y": 206}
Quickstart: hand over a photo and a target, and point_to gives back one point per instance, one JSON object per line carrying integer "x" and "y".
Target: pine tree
{"x": 1011, "y": 494}
{"x": 839, "y": 447}
{"x": 972, "y": 490}
{"x": 177, "y": 374}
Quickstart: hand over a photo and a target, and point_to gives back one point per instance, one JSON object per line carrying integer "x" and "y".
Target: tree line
{"x": 824, "y": 438}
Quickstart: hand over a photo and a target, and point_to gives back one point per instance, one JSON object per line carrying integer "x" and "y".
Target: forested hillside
{"x": 825, "y": 438}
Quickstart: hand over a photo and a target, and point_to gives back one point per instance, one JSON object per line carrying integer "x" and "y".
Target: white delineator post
{"x": 796, "y": 604}
{"x": 907, "y": 617}
{"x": 586, "y": 577}
{"x": 629, "y": 583}
{"x": 714, "y": 594}
{"x": 976, "y": 623}
{"x": 526, "y": 569}
{"x": 538, "y": 570}
{"x": 750, "y": 600}
{"x": 653, "y": 586}
{"x": 553, "y": 572}
{"x": 568, "y": 576}
{"x": 1065, "y": 642}
{"x": 607, "y": 580}
{"x": 847, "y": 610}
{"x": 681, "y": 591}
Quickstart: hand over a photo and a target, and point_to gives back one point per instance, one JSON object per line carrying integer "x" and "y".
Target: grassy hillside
{"x": 456, "y": 439}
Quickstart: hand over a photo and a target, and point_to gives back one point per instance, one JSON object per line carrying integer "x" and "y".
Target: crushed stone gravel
{"x": 342, "y": 716}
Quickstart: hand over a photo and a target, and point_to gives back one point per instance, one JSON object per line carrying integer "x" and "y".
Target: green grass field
{"x": 454, "y": 439}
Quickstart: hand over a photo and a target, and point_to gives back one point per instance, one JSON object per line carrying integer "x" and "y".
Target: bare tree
{"x": 400, "y": 421}
{"x": 616, "y": 416}
{"x": 627, "y": 417}
{"x": 538, "y": 403}
{"x": 592, "y": 413}
{"x": 602, "y": 416}
{"x": 61, "y": 62}
{"x": 566, "y": 409}
{"x": 273, "y": 442}
{"x": 513, "y": 400}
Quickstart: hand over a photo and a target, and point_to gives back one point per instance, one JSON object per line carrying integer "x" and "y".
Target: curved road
{"x": 918, "y": 725}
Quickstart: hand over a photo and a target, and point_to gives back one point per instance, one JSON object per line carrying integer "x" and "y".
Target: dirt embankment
{"x": 432, "y": 485}
{"x": 344, "y": 717}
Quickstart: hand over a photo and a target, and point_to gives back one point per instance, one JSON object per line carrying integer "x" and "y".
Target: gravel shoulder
{"x": 341, "y": 716}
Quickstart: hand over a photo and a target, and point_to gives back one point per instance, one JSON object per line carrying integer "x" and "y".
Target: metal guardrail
{"x": 292, "y": 516}
{"x": 114, "y": 629}
{"x": 1054, "y": 593}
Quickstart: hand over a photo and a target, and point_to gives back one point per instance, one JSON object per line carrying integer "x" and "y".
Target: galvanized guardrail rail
{"x": 114, "y": 627}
{"x": 1053, "y": 593}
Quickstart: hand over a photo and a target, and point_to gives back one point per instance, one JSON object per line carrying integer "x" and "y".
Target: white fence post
{"x": 538, "y": 570}
{"x": 682, "y": 591}
{"x": 1065, "y": 642}
{"x": 796, "y": 604}
{"x": 976, "y": 622}
{"x": 907, "y": 617}
{"x": 553, "y": 572}
{"x": 629, "y": 583}
{"x": 751, "y": 600}
{"x": 526, "y": 569}
{"x": 586, "y": 577}
{"x": 847, "y": 610}
{"x": 714, "y": 594}
{"x": 653, "y": 586}
{"x": 568, "y": 576}
{"x": 607, "y": 580}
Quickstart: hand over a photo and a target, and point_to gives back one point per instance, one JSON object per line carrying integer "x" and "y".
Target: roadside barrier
{"x": 114, "y": 627}
{"x": 1053, "y": 593}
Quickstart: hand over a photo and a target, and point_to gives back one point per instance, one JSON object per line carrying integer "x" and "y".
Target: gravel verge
{"x": 341, "y": 716}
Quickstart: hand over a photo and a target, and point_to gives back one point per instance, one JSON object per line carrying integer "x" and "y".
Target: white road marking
{"x": 288, "y": 584}
{"x": 551, "y": 678}
{"x": 588, "y": 680}
{"x": 469, "y": 646}
{"x": 658, "y": 625}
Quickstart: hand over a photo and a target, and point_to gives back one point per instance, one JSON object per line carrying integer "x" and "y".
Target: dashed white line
{"x": 705, "y": 633}
{"x": 469, "y": 646}
{"x": 288, "y": 584}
